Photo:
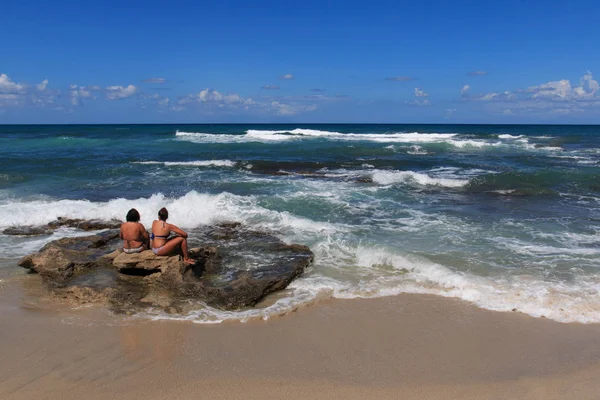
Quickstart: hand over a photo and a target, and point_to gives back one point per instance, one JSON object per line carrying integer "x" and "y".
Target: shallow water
{"x": 503, "y": 216}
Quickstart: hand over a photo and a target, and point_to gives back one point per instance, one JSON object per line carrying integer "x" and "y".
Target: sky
{"x": 426, "y": 61}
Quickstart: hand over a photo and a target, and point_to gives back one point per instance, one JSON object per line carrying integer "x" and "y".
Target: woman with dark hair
{"x": 162, "y": 245}
{"x": 134, "y": 235}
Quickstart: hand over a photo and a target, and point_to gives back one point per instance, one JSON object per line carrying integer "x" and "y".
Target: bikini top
{"x": 153, "y": 236}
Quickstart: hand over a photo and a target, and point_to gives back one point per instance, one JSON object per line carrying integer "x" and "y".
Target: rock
{"x": 235, "y": 268}
{"x": 364, "y": 179}
{"x": 63, "y": 258}
{"x": 27, "y": 231}
{"x": 86, "y": 225}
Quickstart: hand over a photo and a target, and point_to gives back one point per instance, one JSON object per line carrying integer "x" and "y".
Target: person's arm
{"x": 178, "y": 231}
{"x": 121, "y": 232}
{"x": 145, "y": 235}
{"x": 144, "y": 232}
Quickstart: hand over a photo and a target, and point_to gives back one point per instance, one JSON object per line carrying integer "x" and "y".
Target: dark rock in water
{"x": 27, "y": 231}
{"x": 235, "y": 268}
{"x": 86, "y": 225}
{"x": 364, "y": 179}
{"x": 62, "y": 259}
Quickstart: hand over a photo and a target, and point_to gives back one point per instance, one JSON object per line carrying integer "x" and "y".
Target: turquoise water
{"x": 503, "y": 216}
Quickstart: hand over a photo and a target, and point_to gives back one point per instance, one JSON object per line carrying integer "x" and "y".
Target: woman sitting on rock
{"x": 162, "y": 245}
{"x": 134, "y": 235}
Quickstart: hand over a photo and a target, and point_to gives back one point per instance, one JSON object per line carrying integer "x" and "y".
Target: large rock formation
{"x": 235, "y": 268}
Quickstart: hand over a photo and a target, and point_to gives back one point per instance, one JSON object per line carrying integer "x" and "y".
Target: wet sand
{"x": 402, "y": 347}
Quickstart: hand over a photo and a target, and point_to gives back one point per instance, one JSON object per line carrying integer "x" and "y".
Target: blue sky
{"x": 429, "y": 61}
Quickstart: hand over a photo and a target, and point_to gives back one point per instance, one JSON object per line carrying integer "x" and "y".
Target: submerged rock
{"x": 235, "y": 267}
{"x": 27, "y": 231}
{"x": 86, "y": 225}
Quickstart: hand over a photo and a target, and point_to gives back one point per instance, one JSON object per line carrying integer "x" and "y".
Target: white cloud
{"x": 120, "y": 92}
{"x": 155, "y": 80}
{"x": 213, "y": 97}
{"x": 465, "y": 90}
{"x": 420, "y": 103}
{"x": 420, "y": 93}
{"x": 10, "y": 99}
{"x": 20, "y": 94}
{"x": 337, "y": 97}
{"x": 287, "y": 76}
{"x": 400, "y": 79}
{"x": 212, "y": 100}
{"x": 493, "y": 96}
{"x": 162, "y": 102}
{"x": 42, "y": 86}
{"x": 557, "y": 97}
{"x": 588, "y": 83}
{"x": 79, "y": 93}
{"x": 10, "y": 87}
{"x": 488, "y": 96}
{"x": 563, "y": 90}
{"x": 556, "y": 89}
{"x": 291, "y": 109}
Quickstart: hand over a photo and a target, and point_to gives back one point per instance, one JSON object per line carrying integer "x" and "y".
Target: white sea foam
{"x": 507, "y": 136}
{"x": 265, "y": 135}
{"x": 200, "y": 137}
{"x": 183, "y": 133}
{"x": 417, "y": 150}
{"x": 565, "y": 302}
{"x": 384, "y": 177}
{"x": 344, "y": 266}
{"x": 199, "y": 163}
{"x": 472, "y": 143}
{"x": 418, "y": 139}
{"x": 189, "y": 211}
{"x": 297, "y": 134}
{"x": 378, "y": 272}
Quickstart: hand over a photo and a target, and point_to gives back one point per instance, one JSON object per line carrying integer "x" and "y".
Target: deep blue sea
{"x": 505, "y": 217}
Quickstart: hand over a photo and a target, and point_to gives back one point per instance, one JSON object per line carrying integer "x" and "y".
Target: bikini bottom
{"x": 133, "y": 250}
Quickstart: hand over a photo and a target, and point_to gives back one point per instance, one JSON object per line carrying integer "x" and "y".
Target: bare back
{"x": 161, "y": 231}
{"x": 134, "y": 235}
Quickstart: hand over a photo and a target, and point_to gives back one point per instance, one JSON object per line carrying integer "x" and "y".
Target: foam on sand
{"x": 346, "y": 266}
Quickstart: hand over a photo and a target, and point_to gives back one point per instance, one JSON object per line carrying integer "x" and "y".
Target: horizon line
{"x": 301, "y": 123}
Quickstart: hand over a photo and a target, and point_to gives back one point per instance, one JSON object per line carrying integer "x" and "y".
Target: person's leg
{"x": 184, "y": 250}
{"x": 171, "y": 246}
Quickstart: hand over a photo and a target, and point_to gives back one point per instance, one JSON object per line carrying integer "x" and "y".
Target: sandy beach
{"x": 401, "y": 347}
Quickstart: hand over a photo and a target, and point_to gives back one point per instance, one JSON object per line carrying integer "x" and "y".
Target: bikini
{"x": 133, "y": 250}
{"x": 156, "y": 250}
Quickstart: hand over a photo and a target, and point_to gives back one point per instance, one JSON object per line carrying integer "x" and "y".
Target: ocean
{"x": 504, "y": 217}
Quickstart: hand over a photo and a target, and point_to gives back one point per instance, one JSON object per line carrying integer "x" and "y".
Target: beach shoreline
{"x": 406, "y": 346}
